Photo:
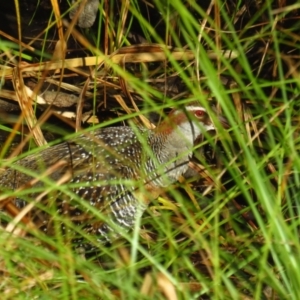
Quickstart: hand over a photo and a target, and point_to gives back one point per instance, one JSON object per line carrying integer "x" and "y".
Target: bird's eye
{"x": 199, "y": 113}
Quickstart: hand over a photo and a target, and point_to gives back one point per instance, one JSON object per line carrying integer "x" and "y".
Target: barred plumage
{"x": 117, "y": 170}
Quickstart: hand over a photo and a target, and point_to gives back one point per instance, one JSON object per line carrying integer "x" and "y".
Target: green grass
{"x": 233, "y": 231}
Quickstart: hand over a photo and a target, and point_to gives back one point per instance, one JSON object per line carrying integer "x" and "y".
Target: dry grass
{"x": 231, "y": 232}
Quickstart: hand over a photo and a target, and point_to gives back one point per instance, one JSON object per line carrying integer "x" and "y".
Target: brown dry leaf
{"x": 147, "y": 285}
{"x": 29, "y": 283}
{"x": 26, "y": 106}
{"x": 166, "y": 286}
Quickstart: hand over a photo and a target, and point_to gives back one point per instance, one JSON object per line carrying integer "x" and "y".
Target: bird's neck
{"x": 178, "y": 131}
{"x": 177, "y": 141}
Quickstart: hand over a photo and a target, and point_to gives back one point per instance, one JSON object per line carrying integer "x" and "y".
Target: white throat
{"x": 191, "y": 130}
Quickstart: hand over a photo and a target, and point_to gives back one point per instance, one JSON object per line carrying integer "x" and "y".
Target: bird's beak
{"x": 210, "y": 125}
{"x": 223, "y": 122}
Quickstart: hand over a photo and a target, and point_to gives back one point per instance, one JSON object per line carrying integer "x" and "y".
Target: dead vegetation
{"x": 232, "y": 231}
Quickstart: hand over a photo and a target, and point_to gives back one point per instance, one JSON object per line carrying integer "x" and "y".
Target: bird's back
{"x": 107, "y": 168}
{"x": 117, "y": 171}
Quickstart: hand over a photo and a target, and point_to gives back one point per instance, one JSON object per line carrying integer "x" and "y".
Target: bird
{"x": 115, "y": 172}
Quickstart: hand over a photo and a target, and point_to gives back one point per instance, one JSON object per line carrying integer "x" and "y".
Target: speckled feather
{"x": 101, "y": 163}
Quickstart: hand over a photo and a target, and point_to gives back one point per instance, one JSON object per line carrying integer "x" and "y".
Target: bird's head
{"x": 189, "y": 122}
